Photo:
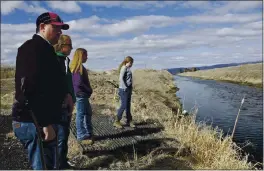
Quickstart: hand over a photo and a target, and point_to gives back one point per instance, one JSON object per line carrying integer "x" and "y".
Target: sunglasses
{"x": 67, "y": 45}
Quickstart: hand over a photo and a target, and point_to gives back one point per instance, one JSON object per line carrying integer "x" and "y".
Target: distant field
{"x": 7, "y": 72}
{"x": 248, "y": 74}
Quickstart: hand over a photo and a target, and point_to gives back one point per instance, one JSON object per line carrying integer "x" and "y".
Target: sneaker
{"x": 132, "y": 125}
{"x": 71, "y": 164}
{"x": 87, "y": 141}
{"x": 117, "y": 124}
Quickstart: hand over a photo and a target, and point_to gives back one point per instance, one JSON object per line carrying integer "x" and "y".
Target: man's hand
{"x": 71, "y": 111}
{"x": 69, "y": 103}
{"x": 49, "y": 133}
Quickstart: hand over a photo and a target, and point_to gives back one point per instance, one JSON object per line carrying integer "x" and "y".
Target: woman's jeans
{"x": 63, "y": 136}
{"x": 125, "y": 96}
{"x": 83, "y": 118}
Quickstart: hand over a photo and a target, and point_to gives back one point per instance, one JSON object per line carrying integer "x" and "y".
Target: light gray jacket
{"x": 125, "y": 78}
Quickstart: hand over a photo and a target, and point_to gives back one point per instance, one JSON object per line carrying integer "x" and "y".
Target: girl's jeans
{"x": 63, "y": 136}
{"x": 83, "y": 118}
{"x": 125, "y": 96}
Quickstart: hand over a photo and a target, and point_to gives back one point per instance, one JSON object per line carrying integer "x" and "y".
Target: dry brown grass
{"x": 154, "y": 98}
{"x": 7, "y": 72}
{"x": 10, "y": 135}
{"x": 209, "y": 148}
{"x": 248, "y": 74}
{"x": 7, "y": 100}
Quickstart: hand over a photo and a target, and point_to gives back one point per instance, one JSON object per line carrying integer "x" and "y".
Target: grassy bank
{"x": 248, "y": 74}
{"x": 198, "y": 146}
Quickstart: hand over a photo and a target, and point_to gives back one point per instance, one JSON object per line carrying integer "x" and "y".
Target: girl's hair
{"x": 76, "y": 64}
{"x": 125, "y": 61}
{"x": 62, "y": 41}
{"x": 57, "y": 47}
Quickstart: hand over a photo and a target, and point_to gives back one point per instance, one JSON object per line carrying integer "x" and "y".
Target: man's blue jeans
{"x": 63, "y": 136}
{"x": 125, "y": 97}
{"x": 26, "y": 133}
{"x": 83, "y": 118}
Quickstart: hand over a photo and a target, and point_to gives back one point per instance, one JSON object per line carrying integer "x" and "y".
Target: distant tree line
{"x": 193, "y": 69}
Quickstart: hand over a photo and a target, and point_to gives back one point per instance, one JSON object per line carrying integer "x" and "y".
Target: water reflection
{"x": 219, "y": 103}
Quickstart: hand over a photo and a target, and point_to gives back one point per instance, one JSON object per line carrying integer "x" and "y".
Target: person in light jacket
{"x": 125, "y": 92}
{"x": 83, "y": 92}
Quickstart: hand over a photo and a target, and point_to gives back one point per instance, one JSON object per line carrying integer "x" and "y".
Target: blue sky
{"x": 157, "y": 34}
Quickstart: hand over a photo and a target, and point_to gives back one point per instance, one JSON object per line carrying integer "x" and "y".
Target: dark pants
{"x": 26, "y": 133}
{"x": 63, "y": 136}
{"x": 83, "y": 118}
{"x": 125, "y": 96}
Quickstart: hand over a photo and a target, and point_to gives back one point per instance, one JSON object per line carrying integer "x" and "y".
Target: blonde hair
{"x": 76, "y": 64}
{"x": 125, "y": 61}
{"x": 57, "y": 47}
{"x": 63, "y": 38}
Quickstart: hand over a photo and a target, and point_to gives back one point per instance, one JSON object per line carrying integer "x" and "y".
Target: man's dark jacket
{"x": 39, "y": 81}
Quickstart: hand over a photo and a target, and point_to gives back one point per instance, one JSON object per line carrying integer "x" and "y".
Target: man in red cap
{"x": 39, "y": 92}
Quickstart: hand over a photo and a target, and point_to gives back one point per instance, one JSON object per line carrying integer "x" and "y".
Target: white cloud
{"x": 17, "y": 28}
{"x": 129, "y": 4}
{"x": 240, "y": 32}
{"x": 227, "y": 18}
{"x": 238, "y": 6}
{"x": 137, "y": 24}
{"x": 8, "y": 7}
{"x": 33, "y": 9}
{"x": 221, "y": 7}
{"x": 36, "y": 3}
{"x": 65, "y": 6}
{"x": 102, "y": 3}
{"x": 196, "y": 4}
{"x": 96, "y": 26}
{"x": 177, "y": 58}
{"x": 131, "y": 25}
{"x": 254, "y": 25}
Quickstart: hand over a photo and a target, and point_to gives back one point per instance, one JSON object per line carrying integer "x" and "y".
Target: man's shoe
{"x": 117, "y": 124}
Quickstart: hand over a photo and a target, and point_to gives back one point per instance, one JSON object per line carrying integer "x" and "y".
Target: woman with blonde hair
{"x": 125, "y": 92}
{"x": 83, "y": 92}
{"x": 63, "y": 49}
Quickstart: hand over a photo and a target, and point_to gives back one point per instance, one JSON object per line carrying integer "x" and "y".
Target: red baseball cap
{"x": 51, "y": 18}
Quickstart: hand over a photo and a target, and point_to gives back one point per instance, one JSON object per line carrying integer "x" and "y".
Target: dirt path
{"x": 118, "y": 153}
{"x": 12, "y": 154}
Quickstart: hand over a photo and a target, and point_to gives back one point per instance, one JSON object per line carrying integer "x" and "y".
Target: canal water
{"x": 218, "y": 104}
